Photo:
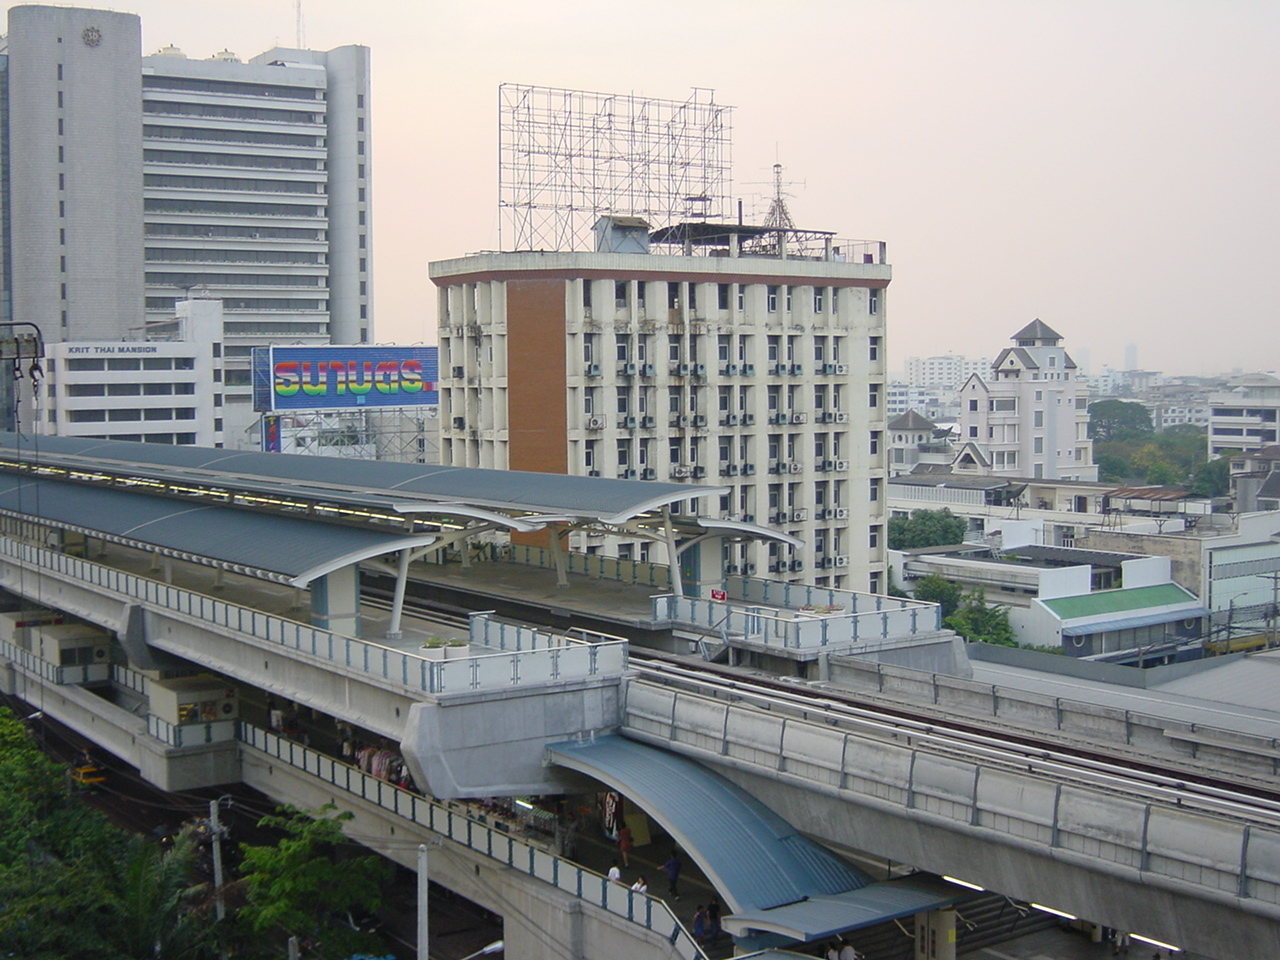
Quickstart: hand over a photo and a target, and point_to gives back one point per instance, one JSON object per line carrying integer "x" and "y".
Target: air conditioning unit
{"x": 827, "y": 417}
{"x": 797, "y": 369}
{"x": 728, "y": 470}
{"x": 842, "y": 369}
{"x": 699, "y": 472}
{"x": 699, "y": 420}
{"x": 796, "y": 467}
{"x": 777, "y": 466}
{"x": 593, "y": 369}
{"x": 828, "y": 368}
{"x": 646, "y": 370}
{"x": 840, "y": 513}
{"x": 459, "y": 372}
{"x": 748, "y": 469}
{"x": 730, "y": 421}
{"x": 842, "y": 465}
{"x": 824, "y": 563}
{"x": 682, "y": 422}
{"x": 748, "y": 419}
{"x": 799, "y": 418}
{"x": 680, "y": 371}
{"x": 748, "y": 518}
{"x": 780, "y": 418}
{"x": 699, "y": 369}
{"x": 776, "y": 567}
{"x": 680, "y": 471}
{"x": 799, "y": 516}
{"x": 748, "y": 369}
{"x": 748, "y": 569}
{"x": 842, "y": 418}
{"x": 820, "y": 466}
{"x": 779, "y": 369}
{"x": 593, "y": 473}
{"x": 842, "y": 561}
{"x": 595, "y": 423}
{"x": 730, "y": 371}
{"x": 797, "y": 565}
{"x": 459, "y": 423}
{"x": 780, "y": 516}
{"x": 828, "y": 464}
{"x": 731, "y": 570}
{"x": 628, "y": 423}
{"x": 627, "y": 475}
{"x": 648, "y": 423}
{"x": 648, "y": 473}
{"x": 627, "y": 370}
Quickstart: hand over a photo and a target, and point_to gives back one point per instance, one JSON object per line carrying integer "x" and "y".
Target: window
{"x": 873, "y": 537}
{"x": 1037, "y": 445}
{"x": 873, "y": 494}
{"x": 874, "y": 349}
{"x": 1038, "y": 418}
{"x": 873, "y": 395}
{"x": 817, "y": 299}
{"x": 771, "y": 299}
{"x": 722, "y": 296}
{"x": 973, "y": 406}
{"x": 873, "y": 301}
{"x": 790, "y": 291}
{"x": 875, "y": 442}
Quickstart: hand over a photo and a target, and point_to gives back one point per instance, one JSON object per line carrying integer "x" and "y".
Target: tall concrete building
{"x": 130, "y": 182}
{"x": 1031, "y": 418}
{"x": 762, "y": 373}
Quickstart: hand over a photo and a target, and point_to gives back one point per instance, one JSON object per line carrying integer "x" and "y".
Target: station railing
{"x": 512, "y": 852}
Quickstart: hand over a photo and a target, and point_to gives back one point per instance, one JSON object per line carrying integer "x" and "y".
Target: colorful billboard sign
{"x": 343, "y": 378}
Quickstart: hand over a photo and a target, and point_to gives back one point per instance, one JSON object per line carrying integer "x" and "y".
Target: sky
{"x": 1109, "y": 166}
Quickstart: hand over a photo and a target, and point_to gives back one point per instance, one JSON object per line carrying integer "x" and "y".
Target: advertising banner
{"x": 343, "y": 377}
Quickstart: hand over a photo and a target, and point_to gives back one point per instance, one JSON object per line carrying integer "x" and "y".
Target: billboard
{"x": 343, "y": 377}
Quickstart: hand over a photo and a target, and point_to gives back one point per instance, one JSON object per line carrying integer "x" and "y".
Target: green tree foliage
{"x": 926, "y": 528}
{"x": 302, "y": 887}
{"x": 1213, "y": 478}
{"x": 936, "y": 589}
{"x": 1170, "y": 458}
{"x": 71, "y": 885}
{"x": 1118, "y": 420}
{"x": 978, "y": 621}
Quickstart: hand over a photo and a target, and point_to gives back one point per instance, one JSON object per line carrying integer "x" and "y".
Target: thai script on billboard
{"x": 341, "y": 378}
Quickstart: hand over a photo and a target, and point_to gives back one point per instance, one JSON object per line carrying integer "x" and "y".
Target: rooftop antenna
{"x": 301, "y": 26}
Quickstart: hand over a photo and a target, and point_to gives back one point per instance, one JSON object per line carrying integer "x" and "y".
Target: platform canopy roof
{"x": 277, "y": 547}
{"x": 532, "y": 499}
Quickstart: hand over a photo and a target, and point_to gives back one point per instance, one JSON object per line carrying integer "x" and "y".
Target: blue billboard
{"x": 344, "y": 378}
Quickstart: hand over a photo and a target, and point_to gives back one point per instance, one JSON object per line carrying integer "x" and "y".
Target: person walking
{"x": 625, "y": 844}
{"x": 699, "y": 924}
{"x": 713, "y": 920}
{"x": 672, "y": 867}
{"x": 615, "y": 873}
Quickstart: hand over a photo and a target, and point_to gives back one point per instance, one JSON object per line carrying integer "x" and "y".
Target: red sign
{"x": 719, "y": 595}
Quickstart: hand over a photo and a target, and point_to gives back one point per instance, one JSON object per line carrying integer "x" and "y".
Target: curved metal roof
{"x": 399, "y": 486}
{"x": 292, "y": 550}
{"x": 753, "y": 857}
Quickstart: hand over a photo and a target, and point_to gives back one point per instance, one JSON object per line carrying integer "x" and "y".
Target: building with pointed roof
{"x": 1030, "y": 418}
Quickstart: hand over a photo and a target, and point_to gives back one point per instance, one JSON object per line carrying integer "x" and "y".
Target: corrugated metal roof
{"x": 1118, "y": 601}
{"x": 754, "y": 858}
{"x": 1132, "y": 623}
{"x": 821, "y": 917}
{"x": 293, "y": 549}
{"x": 592, "y": 497}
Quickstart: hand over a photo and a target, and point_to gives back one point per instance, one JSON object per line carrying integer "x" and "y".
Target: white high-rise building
{"x": 947, "y": 371}
{"x": 764, "y": 374}
{"x": 1031, "y": 418}
{"x": 131, "y": 182}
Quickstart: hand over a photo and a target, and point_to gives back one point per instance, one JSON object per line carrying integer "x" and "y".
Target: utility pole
{"x": 215, "y": 831}
{"x": 424, "y": 884}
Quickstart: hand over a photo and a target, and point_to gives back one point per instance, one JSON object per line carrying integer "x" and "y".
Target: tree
{"x": 1118, "y": 420}
{"x": 979, "y": 621}
{"x": 1213, "y": 478}
{"x": 936, "y": 589}
{"x": 926, "y": 528}
{"x": 300, "y": 887}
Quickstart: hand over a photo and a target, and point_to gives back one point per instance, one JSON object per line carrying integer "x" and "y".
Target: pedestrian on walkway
{"x": 672, "y": 867}
{"x": 615, "y": 873}
{"x": 699, "y": 924}
{"x": 624, "y": 844}
{"x": 833, "y": 951}
{"x": 640, "y": 886}
{"x": 847, "y": 952}
{"x": 713, "y": 919}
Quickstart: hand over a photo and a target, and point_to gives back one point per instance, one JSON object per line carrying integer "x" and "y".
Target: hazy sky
{"x": 1110, "y": 166}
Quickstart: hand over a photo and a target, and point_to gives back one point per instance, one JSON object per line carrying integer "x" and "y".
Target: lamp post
{"x": 496, "y": 947}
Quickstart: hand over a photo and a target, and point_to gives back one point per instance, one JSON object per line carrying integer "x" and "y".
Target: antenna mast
{"x": 301, "y": 27}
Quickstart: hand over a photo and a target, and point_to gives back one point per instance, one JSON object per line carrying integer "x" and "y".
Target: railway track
{"x": 1093, "y": 768}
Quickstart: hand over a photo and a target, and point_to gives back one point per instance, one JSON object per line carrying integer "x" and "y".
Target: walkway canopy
{"x": 754, "y": 858}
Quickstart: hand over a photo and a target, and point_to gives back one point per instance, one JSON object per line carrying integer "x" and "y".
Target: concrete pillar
{"x": 936, "y": 935}
{"x": 335, "y": 601}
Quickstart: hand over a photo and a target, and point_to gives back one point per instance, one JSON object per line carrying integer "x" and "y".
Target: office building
{"x": 1244, "y": 417}
{"x": 763, "y": 373}
{"x": 132, "y": 182}
{"x": 1030, "y": 418}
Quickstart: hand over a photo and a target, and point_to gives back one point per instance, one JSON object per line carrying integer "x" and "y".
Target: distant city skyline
{"x": 1104, "y": 167}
